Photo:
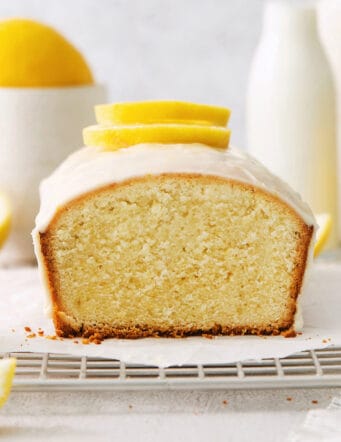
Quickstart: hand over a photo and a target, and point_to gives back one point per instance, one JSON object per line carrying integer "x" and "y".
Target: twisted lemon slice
{"x": 117, "y": 137}
{"x": 150, "y": 112}
{"x": 324, "y": 221}
{"x": 7, "y": 370}
{"x": 5, "y": 218}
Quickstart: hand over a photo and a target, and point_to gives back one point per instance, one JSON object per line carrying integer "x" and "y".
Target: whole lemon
{"x": 35, "y": 55}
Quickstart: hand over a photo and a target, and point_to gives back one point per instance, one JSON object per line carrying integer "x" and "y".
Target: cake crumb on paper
{"x": 27, "y": 329}
{"x": 315, "y": 402}
{"x": 289, "y": 334}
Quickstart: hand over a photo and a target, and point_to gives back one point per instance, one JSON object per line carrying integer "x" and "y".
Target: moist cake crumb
{"x": 188, "y": 255}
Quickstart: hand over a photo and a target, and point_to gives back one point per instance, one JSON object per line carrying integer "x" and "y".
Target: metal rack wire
{"x": 46, "y": 371}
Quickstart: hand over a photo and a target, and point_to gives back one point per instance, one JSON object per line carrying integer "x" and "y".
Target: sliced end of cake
{"x": 175, "y": 255}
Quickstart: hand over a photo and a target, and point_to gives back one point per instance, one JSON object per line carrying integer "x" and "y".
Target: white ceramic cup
{"x": 39, "y": 127}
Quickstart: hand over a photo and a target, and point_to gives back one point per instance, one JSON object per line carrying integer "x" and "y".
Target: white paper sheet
{"x": 22, "y": 301}
{"x": 321, "y": 425}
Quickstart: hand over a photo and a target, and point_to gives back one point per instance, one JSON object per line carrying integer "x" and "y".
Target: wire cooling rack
{"x": 47, "y": 371}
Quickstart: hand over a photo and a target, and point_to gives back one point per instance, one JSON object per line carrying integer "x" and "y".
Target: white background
{"x": 197, "y": 50}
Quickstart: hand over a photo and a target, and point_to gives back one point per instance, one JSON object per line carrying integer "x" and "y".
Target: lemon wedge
{"x": 324, "y": 221}
{"x": 7, "y": 370}
{"x": 5, "y": 218}
{"x": 117, "y": 137}
{"x": 150, "y": 112}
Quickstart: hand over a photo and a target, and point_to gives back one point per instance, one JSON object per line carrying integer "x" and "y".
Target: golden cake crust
{"x": 66, "y": 327}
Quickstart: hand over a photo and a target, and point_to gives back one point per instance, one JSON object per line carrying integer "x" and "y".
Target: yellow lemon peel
{"x": 35, "y": 55}
{"x": 5, "y": 218}
{"x": 324, "y": 221}
{"x": 117, "y": 137}
{"x": 7, "y": 371}
{"x": 151, "y": 112}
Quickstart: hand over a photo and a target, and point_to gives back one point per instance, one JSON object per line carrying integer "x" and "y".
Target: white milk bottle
{"x": 330, "y": 27}
{"x": 291, "y": 112}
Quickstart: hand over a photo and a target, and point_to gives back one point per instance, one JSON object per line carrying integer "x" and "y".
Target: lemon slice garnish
{"x": 116, "y": 137}
{"x": 5, "y": 218}
{"x": 324, "y": 221}
{"x": 7, "y": 370}
{"x": 151, "y": 112}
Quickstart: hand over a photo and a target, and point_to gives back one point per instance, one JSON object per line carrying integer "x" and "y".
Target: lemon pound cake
{"x": 170, "y": 239}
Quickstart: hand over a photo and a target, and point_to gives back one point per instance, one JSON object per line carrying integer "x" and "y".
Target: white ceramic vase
{"x": 291, "y": 112}
{"x": 38, "y": 129}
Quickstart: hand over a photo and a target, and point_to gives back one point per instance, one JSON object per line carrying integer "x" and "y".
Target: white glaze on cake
{"x": 92, "y": 167}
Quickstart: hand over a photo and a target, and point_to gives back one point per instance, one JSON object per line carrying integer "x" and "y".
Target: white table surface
{"x": 159, "y": 416}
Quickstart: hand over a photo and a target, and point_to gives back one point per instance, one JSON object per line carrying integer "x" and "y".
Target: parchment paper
{"x": 22, "y": 302}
